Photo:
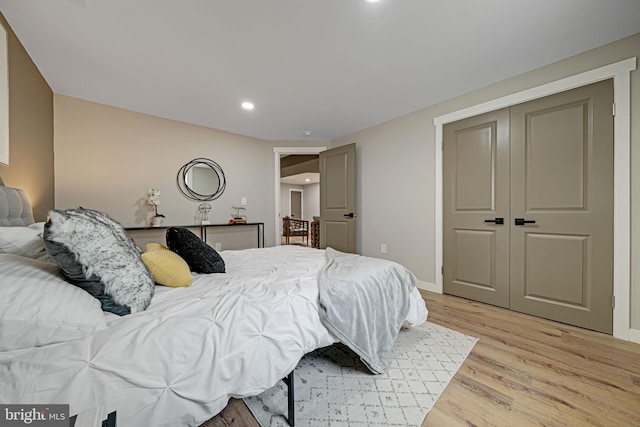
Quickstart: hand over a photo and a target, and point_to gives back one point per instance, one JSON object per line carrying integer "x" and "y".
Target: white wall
{"x": 285, "y": 207}
{"x": 311, "y": 202}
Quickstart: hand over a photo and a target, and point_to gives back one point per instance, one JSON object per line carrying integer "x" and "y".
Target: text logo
{"x": 34, "y": 415}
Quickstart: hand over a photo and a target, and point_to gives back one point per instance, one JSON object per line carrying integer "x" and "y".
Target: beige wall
{"x": 30, "y": 129}
{"x": 106, "y": 158}
{"x": 396, "y": 168}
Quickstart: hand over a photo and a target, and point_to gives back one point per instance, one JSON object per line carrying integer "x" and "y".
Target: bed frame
{"x": 288, "y": 380}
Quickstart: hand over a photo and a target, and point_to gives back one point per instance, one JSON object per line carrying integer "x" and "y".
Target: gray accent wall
{"x": 396, "y": 162}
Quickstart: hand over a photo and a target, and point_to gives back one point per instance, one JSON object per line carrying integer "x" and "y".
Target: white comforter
{"x": 179, "y": 362}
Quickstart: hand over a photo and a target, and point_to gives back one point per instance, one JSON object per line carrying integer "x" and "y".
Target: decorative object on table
{"x": 202, "y": 216}
{"x": 201, "y": 180}
{"x": 237, "y": 217}
{"x": 152, "y": 199}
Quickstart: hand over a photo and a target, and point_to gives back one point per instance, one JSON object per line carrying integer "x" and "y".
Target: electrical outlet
{"x": 383, "y": 248}
{"x": 243, "y": 201}
{"x": 218, "y": 246}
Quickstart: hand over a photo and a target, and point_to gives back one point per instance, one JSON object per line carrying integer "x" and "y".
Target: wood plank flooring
{"x": 527, "y": 371}
{"x": 524, "y": 371}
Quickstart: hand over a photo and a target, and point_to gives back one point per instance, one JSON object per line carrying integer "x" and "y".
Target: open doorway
{"x": 294, "y": 170}
{"x": 296, "y": 205}
{"x": 300, "y": 196}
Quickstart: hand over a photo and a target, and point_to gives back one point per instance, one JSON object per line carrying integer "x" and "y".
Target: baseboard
{"x": 426, "y": 286}
{"x": 634, "y": 334}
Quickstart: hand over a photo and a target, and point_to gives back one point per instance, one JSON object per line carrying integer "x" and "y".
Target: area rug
{"x": 334, "y": 388}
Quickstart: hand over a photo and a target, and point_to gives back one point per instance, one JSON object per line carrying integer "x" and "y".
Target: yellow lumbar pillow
{"x": 166, "y": 266}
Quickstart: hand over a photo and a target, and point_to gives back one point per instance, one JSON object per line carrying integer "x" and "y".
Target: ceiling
{"x": 304, "y": 178}
{"x": 330, "y": 67}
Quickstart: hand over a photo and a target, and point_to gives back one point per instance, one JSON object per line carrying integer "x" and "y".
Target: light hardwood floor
{"x": 524, "y": 371}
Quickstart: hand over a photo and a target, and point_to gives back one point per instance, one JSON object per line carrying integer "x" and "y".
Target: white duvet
{"x": 178, "y": 363}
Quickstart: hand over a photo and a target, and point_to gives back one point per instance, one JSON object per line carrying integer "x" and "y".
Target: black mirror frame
{"x": 192, "y": 195}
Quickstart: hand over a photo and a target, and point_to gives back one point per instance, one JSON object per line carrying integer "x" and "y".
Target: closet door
{"x": 562, "y": 188}
{"x": 476, "y": 208}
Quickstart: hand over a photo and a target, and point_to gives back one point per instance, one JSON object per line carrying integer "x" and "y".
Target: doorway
{"x": 281, "y": 196}
{"x": 295, "y": 203}
{"x": 528, "y": 207}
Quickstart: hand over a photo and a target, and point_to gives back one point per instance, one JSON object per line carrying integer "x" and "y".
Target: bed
{"x": 178, "y": 361}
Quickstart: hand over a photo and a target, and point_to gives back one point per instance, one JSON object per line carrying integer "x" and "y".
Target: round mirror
{"x": 201, "y": 180}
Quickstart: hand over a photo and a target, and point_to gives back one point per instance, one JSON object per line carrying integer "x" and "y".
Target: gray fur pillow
{"x": 95, "y": 253}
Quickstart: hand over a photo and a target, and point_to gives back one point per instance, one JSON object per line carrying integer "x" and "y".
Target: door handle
{"x": 522, "y": 221}
{"x": 495, "y": 220}
{"x": 350, "y": 215}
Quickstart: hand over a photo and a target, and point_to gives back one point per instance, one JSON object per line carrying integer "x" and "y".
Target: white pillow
{"x": 37, "y": 306}
{"x": 24, "y": 241}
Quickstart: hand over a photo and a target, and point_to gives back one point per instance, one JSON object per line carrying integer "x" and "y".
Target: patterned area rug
{"x": 334, "y": 388}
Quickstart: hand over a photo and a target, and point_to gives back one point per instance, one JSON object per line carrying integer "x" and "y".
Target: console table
{"x": 203, "y": 229}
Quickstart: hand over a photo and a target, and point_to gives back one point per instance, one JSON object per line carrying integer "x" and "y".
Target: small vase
{"x": 156, "y": 221}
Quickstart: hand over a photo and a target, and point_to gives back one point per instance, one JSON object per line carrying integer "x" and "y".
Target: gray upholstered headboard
{"x": 15, "y": 208}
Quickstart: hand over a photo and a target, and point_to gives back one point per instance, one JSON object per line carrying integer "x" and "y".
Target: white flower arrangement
{"x": 152, "y": 199}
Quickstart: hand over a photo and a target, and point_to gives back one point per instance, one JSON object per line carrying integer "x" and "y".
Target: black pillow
{"x": 200, "y": 257}
{"x": 96, "y": 254}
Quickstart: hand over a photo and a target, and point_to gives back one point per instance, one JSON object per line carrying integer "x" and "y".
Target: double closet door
{"x": 528, "y": 207}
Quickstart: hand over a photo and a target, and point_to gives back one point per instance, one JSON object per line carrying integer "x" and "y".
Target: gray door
{"x": 558, "y": 218}
{"x": 295, "y": 203}
{"x": 476, "y": 198}
{"x": 338, "y": 198}
{"x": 562, "y": 178}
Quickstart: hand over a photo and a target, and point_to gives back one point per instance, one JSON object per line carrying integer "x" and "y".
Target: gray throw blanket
{"x": 364, "y": 302}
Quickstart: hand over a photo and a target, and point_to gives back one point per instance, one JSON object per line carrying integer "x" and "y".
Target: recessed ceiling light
{"x": 307, "y": 133}
{"x": 372, "y": 1}
{"x": 248, "y": 105}
{"x": 307, "y": 180}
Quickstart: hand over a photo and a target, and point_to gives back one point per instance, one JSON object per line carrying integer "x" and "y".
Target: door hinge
{"x": 613, "y": 301}
{"x": 613, "y": 109}
{"x": 442, "y": 270}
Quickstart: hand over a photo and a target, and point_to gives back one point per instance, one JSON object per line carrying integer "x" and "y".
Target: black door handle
{"x": 350, "y": 215}
{"x": 522, "y": 221}
{"x": 495, "y": 220}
